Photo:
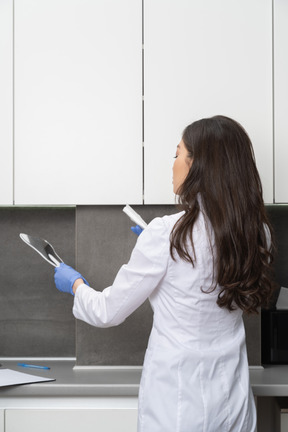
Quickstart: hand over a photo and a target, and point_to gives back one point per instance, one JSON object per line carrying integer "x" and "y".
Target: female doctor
{"x": 201, "y": 269}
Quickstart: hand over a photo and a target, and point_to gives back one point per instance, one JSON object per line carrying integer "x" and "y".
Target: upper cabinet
{"x": 203, "y": 58}
{"x": 281, "y": 99}
{"x": 78, "y": 101}
{"x": 72, "y": 78}
{"x": 6, "y": 102}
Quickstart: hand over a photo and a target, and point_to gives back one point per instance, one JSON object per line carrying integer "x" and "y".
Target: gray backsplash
{"x": 104, "y": 243}
{"x": 36, "y": 319}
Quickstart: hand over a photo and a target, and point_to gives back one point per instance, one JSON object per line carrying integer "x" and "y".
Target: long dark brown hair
{"x": 224, "y": 175}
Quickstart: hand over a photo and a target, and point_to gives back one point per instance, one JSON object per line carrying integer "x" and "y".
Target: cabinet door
{"x": 284, "y": 421}
{"x": 72, "y": 420}
{"x": 203, "y": 58}
{"x": 281, "y": 99}
{"x": 2, "y": 420}
{"x": 6, "y": 102}
{"x": 78, "y": 101}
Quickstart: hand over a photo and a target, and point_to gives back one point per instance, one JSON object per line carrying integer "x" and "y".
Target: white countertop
{"x": 113, "y": 381}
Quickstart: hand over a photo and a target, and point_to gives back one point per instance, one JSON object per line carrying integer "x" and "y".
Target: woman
{"x": 201, "y": 269}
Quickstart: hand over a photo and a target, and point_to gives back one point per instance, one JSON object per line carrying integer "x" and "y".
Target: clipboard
{"x": 9, "y": 377}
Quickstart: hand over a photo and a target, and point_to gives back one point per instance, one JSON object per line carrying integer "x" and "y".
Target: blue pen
{"x": 33, "y": 366}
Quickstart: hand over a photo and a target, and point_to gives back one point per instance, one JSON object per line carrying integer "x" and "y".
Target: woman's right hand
{"x": 65, "y": 278}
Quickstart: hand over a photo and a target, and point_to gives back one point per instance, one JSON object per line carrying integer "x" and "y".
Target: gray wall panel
{"x": 104, "y": 243}
{"x": 35, "y": 319}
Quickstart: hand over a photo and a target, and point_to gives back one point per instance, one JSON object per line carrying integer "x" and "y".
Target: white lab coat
{"x": 195, "y": 374}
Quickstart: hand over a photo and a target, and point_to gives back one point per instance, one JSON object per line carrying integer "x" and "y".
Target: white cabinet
{"x": 203, "y": 58}
{"x": 71, "y": 93}
{"x": 284, "y": 421}
{"x": 2, "y": 420}
{"x": 6, "y": 102}
{"x": 78, "y": 101}
{"x": 281, "y": 99}
{"x": 72, "y": 420}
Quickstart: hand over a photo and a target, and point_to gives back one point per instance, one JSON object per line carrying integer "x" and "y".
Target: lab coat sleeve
{"x": 133, "y": 284}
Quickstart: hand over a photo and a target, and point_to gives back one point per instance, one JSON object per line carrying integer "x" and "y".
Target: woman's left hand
{"x": 137, "y": 230}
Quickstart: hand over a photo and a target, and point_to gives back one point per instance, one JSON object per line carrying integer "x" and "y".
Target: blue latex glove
{"x": 137, "y": 229}
{"x": 65, "y": 276}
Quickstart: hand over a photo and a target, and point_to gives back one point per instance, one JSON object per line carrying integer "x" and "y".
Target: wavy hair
{"x": 224, "y": 175}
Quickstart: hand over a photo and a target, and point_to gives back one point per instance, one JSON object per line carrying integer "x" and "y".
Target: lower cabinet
{"x": 72, "y": 420}
{"x": 1, "y": 420}
{"x": 284, "y": 421}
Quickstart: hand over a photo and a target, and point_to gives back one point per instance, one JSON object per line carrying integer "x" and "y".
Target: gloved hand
{"x": 137, "y": 229}
{"x": 65, "y": 276}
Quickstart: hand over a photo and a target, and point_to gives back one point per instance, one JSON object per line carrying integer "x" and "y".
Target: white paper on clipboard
{"x": 9, "y": 377}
